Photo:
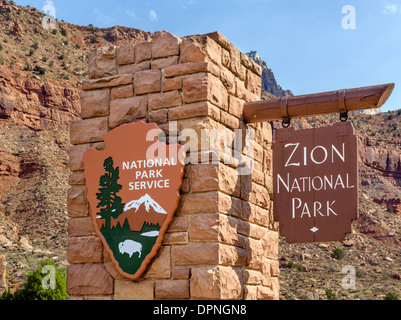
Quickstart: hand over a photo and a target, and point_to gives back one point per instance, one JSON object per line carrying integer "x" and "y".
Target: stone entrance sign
{"x": 222, "y": 243}
{"x": 315, "y": 183}
{"x": 133, "y": 192}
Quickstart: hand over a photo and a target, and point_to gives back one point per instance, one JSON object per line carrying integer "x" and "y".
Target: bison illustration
{"x": 130, "y": 247}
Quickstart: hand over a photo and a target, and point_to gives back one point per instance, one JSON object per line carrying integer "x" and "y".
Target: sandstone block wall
{"x": 222, "y": 243}
{"x": 3, "y": 271}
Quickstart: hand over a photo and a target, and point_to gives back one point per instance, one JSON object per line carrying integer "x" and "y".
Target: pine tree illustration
{"x": 111, "y": 205}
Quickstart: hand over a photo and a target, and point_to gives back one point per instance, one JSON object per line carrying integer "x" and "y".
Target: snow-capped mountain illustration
{"x": 148, "y": 202}
{"x": 141, "y": 211}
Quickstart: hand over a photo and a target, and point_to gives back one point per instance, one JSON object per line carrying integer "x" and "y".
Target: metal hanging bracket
{"x": 342, "y": 105}
{"x": 344, "y": 116}
{"x": 286, "y": 123}
{"x": 284, "y": 112}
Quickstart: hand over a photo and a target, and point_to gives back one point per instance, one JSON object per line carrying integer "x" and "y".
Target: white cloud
{"x": 131, "y": 14}
{"x": 102, "y": 19}
{"x": 153, "y": 15}
{"x": 188, "y": 3}
{"x": 390, "y": 8}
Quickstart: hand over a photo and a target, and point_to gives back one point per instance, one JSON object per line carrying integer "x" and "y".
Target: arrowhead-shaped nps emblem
{"x": 133, "y": 192}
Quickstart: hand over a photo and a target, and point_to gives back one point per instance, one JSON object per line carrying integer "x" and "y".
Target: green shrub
{"x": 40, "y": 70}
{"x": 94, "y": 38}
{"x": 35, "y": 286}
{"x": 7, "y": 295}
{"x": 331, "y": 295}
{"x": 338, "y": 254}
{"x": 390, "y": 209}
{"x": 292, "y": 265}
{"x": 63, "y": 31}
{"x": 391, "y": 296}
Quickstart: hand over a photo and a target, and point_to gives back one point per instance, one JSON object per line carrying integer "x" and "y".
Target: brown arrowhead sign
{"x": 315, "y": 183}
{"x": 133, "y": 192}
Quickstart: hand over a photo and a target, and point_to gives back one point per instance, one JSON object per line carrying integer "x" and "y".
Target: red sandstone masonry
{"x": 223, "y": 242}
{"x": 95, "y": 104}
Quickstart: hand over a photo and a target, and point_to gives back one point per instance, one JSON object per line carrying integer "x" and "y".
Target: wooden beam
{"x": 318, "y": 104}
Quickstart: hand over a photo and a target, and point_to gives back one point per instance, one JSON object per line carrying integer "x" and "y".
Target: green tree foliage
{"x": 111, "y": 205}
{"x": 338, "y": 254}
{"x": 391, "y": 296}
{"x": 42, "y": 284}
{"x": 7, "y": 295}
{"x": 331, "y": 295}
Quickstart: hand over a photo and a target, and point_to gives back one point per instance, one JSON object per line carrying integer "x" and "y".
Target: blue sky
{"x": 304, "y": 42}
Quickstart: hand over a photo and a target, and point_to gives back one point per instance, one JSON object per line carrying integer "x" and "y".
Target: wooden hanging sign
{"x": 133, "y": 191}
{"x": 339, "y": 101}
{"x": 316, "y": 183}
